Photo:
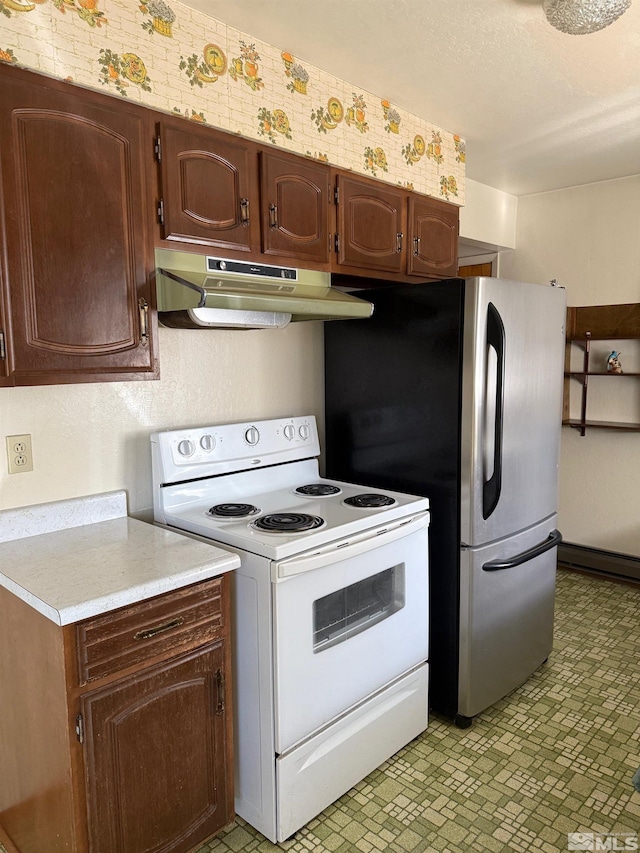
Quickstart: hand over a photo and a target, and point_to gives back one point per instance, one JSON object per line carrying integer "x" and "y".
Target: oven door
{"x": 347, "y": 627}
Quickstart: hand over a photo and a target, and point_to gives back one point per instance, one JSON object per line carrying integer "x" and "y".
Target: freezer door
{"x": 507, "y": 593}
{"x": 512, "y": 373}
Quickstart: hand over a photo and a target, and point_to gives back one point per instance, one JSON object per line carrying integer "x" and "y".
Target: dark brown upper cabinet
{"x": 78, "y": 258}
{"x": 370, "y": 226}
{"x": 432, "y": 247}
{"x": 231, "y": 195}
{"x": 5, "y": 369}
{"x": 83, "y": 204}
{"x": 389, "y": 232}
{"x": 295, "y": 207}
{"x": 209, "y": 193}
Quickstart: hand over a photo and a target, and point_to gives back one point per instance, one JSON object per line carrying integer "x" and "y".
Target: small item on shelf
{"x": 613, "y": 362}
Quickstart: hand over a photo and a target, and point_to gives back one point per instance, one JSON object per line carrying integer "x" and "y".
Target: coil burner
{"x": 233, "y": 510}
{"x": 318, "y": 490}
{"x": 288, "y": 522}
{"x": 370, "y": 500}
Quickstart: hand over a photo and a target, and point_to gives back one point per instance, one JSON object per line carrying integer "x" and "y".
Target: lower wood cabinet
{"x": 109, "y": 750}
{"x": 155, "y": 777}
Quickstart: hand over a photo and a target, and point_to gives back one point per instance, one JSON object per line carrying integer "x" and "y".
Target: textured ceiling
{"x": 539, "y": 109}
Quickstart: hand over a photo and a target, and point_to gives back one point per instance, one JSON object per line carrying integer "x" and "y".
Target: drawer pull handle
{"x": 159, "y": 629}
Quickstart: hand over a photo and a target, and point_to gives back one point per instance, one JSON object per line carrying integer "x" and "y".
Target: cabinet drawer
{"x": 171, "y": 622}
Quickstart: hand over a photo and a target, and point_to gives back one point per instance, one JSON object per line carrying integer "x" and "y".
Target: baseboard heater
{"x": 600, "y": 562}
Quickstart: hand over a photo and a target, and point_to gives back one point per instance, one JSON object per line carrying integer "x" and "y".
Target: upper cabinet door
{"x": 78, "y": 256}
{"x": 370, "y": 224}
{"x": 295, "y": 207}
{"x": 432, "y": 249}
{"x": 209, "y": 187}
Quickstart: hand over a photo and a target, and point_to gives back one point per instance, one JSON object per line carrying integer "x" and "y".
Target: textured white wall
{"x": 489, "y": 215}
{"x": 588, "y": 238}
{"x": 92, "y": 438}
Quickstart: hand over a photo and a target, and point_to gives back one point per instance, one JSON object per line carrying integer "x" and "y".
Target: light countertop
{"x": 90, "y": 567}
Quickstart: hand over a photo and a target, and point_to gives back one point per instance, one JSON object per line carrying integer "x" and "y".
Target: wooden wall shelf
{"x": 587, "y": 324}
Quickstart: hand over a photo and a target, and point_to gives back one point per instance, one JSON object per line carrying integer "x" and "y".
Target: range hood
{"x": 201, "y": 291}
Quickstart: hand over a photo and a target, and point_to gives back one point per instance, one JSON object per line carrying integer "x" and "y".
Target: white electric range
{"x": 330, "y": 609}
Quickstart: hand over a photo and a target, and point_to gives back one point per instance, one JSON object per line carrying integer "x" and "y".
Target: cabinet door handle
{"x": 273, "y": 216}
{"x": 399, "y": 237}
{"x": 416, "y": 246}
{"x": 220, "y": 691}
{"x": 80, "y": 728}
{"x": 148, "y": 633}
{"x": 244, "y": 211}
{"x": 143, "y": 307}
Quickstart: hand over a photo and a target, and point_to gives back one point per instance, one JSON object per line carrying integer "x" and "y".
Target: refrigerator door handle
{"x": 554, "y": 538}
{"x": 496, "y": 339}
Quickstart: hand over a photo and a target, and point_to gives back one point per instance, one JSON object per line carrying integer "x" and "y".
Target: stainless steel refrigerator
{"x": 453, "y": 390}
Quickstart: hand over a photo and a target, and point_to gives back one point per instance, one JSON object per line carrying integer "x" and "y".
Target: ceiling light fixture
{"x": 579, "y": 17}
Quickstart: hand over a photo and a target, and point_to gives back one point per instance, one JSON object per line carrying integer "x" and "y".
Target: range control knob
{"x": 252, "y": 436}
{"x": 207, "y": 443}
{"x": 222, "y": 265}
{"x": 289, "y": 432}
{"x": 303, "y": 432}
{"x": 186, "y": 447}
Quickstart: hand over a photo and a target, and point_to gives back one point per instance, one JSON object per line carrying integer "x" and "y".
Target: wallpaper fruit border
{"x": 178, "y": 60}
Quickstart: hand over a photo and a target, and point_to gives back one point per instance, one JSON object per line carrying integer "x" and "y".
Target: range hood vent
{"x": 200, "y": 291}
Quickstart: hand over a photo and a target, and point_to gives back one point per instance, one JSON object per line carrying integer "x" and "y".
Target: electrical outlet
{"x": 19, "y": 453}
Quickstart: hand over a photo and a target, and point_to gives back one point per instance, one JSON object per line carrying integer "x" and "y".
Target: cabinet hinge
{"x": 158, "y": 149}
{"x": 80, "y": 728}
{"x": 3, "y": 348}
{"x": 336, "y": 195}
{"x": 161, "y": 212}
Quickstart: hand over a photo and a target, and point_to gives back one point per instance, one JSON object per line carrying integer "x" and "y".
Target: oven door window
{"x": 357, "y": 607}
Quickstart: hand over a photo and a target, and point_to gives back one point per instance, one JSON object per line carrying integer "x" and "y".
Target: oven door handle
{"x": 351, "y": 546}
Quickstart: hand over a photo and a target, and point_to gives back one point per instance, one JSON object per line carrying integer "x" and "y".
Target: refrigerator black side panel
{"x": 392, "y": 397}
